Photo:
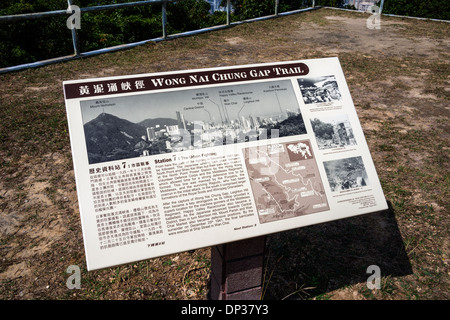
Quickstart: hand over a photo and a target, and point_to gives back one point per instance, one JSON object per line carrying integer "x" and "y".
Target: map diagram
{"x": 285, "y": 180}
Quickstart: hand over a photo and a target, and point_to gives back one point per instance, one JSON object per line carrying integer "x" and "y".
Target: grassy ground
{"x": 399, "y": 79}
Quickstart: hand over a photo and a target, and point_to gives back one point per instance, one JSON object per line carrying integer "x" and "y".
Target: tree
{"x": 321, "y": 129}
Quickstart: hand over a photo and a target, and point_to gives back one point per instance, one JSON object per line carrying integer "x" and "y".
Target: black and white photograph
{"x": 333, "y": 132}
{"x": 165, "y": 122}
{"x": 212, "y": 161}
{"x": 346, "y": 173}
{"x": 319, "y": 89}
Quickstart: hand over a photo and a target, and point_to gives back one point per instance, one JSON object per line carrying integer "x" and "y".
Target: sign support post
{"x": 237, "y": 269}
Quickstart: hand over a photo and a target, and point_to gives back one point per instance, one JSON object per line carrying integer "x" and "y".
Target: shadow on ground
{"x": 313, "y": 261}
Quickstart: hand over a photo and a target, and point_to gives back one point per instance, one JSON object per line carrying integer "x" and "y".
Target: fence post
{"x": 76, "y": 45}
{"x": 381, "y": 7}
{"x": 277, "y": 2}
{"x": 228, "y": 12}
{"x": 164, "y": 19}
